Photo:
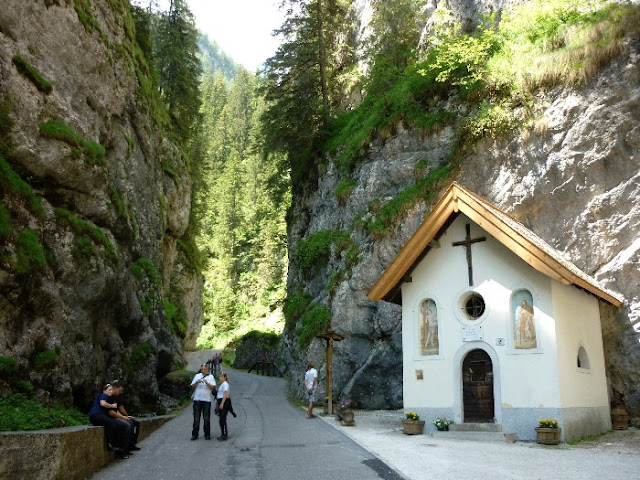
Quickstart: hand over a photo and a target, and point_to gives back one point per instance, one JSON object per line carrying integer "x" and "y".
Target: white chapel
{"x": 497, "y": 327}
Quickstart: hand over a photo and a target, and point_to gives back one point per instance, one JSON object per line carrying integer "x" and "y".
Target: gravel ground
{"x": 417, "y": 457}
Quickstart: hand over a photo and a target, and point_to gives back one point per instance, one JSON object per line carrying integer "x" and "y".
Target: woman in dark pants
{"x": 222, "y": 397}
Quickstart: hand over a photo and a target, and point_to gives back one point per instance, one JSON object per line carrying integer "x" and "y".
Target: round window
{"x": 474, "y": 306}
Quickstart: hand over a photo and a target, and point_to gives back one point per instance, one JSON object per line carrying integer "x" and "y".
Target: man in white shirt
{"x": 311, "y": 382}
{"x": 202, "y": 385}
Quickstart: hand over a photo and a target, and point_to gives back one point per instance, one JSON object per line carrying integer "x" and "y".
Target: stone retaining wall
{"x": 71, "y": 453}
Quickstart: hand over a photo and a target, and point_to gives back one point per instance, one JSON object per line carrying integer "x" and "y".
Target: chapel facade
{"x": 497, "y": 327}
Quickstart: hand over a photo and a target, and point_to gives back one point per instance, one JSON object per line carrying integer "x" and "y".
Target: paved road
{"x": 270, "y": 439}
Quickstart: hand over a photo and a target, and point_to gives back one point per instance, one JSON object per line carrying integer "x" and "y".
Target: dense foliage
{"x": 240, "y": 206}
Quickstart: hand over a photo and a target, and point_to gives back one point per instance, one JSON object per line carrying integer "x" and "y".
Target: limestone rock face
{"x": 109, "y": 228}
{"x": 574, "y": 181}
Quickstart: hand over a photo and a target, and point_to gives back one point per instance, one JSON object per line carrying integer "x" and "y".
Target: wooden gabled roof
{"x": 508, "y": 231}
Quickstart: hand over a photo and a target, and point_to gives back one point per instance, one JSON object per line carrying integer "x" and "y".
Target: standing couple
{"x": 204, "y": 386}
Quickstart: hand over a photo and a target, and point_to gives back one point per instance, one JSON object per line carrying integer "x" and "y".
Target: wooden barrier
{"x": 266, "y": 368}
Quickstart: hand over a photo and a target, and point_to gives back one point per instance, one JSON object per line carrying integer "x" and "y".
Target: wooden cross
{"x": 467, "y": 243}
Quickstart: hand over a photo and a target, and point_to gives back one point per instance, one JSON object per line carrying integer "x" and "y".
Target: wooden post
{"x": 330, "y": 337}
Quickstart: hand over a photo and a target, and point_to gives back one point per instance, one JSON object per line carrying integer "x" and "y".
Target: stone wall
{"x": 72, "y": 453}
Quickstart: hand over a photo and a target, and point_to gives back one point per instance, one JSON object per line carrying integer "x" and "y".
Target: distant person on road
{"x": 224, "y": 403}
{"x": 202, "y": 385}
{"x": 311, "y": 382}
{"x": 121, "y": 414}
{"x": 117, "y": 434}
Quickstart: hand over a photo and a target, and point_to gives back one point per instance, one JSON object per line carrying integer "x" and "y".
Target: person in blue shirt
{"x": 117, "y": 436}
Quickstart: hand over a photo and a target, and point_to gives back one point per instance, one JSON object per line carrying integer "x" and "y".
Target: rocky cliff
{"x": 572, "y": 178}
{"x": 96, "y": 278}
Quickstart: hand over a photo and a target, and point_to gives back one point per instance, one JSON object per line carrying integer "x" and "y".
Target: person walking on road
{"x": 311, "y": 382}
{"x": 224, "y": 401}
{"x": 202, "y": 385}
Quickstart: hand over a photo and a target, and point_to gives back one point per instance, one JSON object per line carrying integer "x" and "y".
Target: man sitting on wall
{"x": 121, "y": 414}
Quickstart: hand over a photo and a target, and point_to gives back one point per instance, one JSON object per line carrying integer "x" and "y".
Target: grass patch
{"x": 32, "y": 74}
{"x": 191, "y": 252}
{"x": 176, "y": 317}
{"x": 12, "y": 183}
{"x": 5, "y": 222}
{"x": 46, "y": 359}
{"x": 87, "y": 229}
{"x": 30, "y": 254}
{"x": 94, "y": 153}
{"x": 116, "y": 201}
{"x": 8, "y": 366}
{"x": 89, "y": 22}
{"x": 316, "y": 248}
{"x": 588, "y": 438}
{"x": 344, "y": 189}
{"x": 19, "y": 412}
{"x": 389, "y": 215}
{"x": 315, "y": 320}
{"x": 143, "y": 266}
{"x": 294, "y": 306}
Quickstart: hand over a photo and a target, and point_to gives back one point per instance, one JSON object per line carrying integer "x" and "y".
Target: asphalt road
{"x": 270, "y": 439}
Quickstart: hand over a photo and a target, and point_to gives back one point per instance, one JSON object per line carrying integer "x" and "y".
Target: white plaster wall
{"x": 580, "y": 326}
{"x": 528, "y": 378}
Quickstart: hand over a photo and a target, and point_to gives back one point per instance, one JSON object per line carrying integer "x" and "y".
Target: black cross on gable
{"x": 467, "y": 242}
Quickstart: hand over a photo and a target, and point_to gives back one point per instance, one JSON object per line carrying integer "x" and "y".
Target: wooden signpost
{"x": 330, "y": 337}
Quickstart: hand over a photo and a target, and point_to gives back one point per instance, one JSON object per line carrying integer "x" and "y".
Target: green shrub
{"x": 30, "y": 72}
{"x": 95, "y": 153}
{"x": 176, "y": 318}
{"x": 317, "y": 247}
{"x": 313, "y": 322}
{"x": 18, "y": 412}
{"x": 294, "y": 306}
{"x": 269, "y": 340}
{"x": 8, "y": 365}
{"x": 30, "y": 253}
{"x": 46, "y": 359}
{"x": 22, "y": 386}
{"x": 139, "y": 353}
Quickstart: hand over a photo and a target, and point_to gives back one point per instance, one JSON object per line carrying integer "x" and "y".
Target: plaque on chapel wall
{"x": 471, "y": 333}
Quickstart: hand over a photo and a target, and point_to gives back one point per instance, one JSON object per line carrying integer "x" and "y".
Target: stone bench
{"x": 68, "y": 453}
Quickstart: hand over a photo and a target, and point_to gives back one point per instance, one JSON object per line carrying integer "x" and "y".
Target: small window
{"x": 583, "y": 359}
{"x": 474, "y": 306}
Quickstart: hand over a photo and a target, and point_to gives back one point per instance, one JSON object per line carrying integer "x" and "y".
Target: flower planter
{"x": 619, "y": 417}
{"x": 548, "y": 436}
{"x": 413, "y": 427}
{"x": 346, "y": 417}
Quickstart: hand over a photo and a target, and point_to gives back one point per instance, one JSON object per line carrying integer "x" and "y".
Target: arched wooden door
{"x": 477, "y": 387}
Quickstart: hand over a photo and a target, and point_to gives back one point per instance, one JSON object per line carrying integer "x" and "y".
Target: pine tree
{"x": 179, "y": 69}
{"x": 394, "y": 39}
{"x": 301, "y": 85}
